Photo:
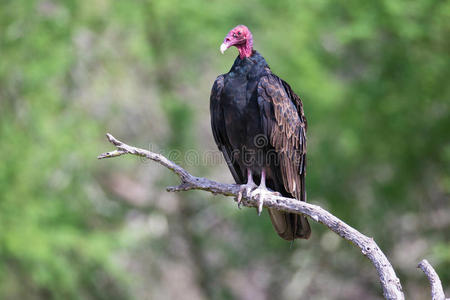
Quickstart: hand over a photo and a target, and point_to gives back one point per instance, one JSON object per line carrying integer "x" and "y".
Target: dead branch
{"x": 390, "y": 283}
{"x": 437, "y": 292}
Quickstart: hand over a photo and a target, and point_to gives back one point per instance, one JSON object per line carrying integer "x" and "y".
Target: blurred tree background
{"x": 374, "y": 79}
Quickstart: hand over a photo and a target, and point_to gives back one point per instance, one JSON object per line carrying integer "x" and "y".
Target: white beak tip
{"x": 223, "y": 48}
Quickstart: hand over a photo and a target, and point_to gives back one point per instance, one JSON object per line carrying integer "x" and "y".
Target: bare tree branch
{"x": 437, "y": 292}
{"x": 390, "y": 283}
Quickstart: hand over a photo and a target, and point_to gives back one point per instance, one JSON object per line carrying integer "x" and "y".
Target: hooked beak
{"x": 223, "y": 47}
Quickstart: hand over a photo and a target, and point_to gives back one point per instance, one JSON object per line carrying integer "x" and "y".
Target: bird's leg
{"x": 247, "y": 188}
{"x": 262, "y": 191}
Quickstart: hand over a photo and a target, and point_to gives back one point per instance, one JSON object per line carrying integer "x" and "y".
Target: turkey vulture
{"x": 259, "y": 125}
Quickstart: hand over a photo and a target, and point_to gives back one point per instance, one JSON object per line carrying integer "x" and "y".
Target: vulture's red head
{"x": 241, "y": 38}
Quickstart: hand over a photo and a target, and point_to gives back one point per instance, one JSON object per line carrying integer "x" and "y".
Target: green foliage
{"x": 53, "y": 241}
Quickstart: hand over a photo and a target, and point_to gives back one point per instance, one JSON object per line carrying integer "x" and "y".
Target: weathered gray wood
{"x": 437, "y": 292}
{"x": 390, "y": 283}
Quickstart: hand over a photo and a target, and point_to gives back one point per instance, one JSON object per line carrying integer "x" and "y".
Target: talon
{"x": 259, "y": 195}
{"x": 260, "y": 205}
{"x": 246, "y": 188}
{"x": 239, "y": 199}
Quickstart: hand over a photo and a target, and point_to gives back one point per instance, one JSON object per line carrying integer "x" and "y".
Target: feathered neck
{"x": 255, "y": 64}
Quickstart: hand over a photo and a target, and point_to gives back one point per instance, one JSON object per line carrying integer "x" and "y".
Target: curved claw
{"x": 259, "y": 194}
{"x": 247, "y": 188}
{"x": 260, "y": 205}
{"x": 239, "y": 199}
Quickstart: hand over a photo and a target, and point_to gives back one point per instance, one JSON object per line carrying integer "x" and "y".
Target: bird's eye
{"x": 239, "y": 33}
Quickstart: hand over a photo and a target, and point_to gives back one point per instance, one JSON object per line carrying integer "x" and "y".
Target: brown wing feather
{"x": 287, "y": 132}
{"x": 284, "y": 122}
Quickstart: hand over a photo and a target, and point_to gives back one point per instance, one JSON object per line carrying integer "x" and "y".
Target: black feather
{"x": 249, "y": 103}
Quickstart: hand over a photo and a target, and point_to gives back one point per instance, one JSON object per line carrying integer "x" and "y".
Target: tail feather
{"x": 290, "y": 226}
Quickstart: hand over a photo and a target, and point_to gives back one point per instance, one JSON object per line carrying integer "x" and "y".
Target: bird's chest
{"x": 241, "y": 112}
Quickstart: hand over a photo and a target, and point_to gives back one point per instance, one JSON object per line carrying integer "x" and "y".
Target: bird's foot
{"x": 260, "y": 194}
{"x": 247, "y": 189}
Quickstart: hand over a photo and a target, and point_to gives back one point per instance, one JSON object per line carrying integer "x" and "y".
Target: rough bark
{"x": 437, "y": 292}
{"x": 390, "y": 283}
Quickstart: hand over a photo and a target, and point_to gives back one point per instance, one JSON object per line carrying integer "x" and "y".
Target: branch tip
{"x": 389, "y": 281}
{"x": 113, "y": 140}
{"x": 437, "y": 292}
